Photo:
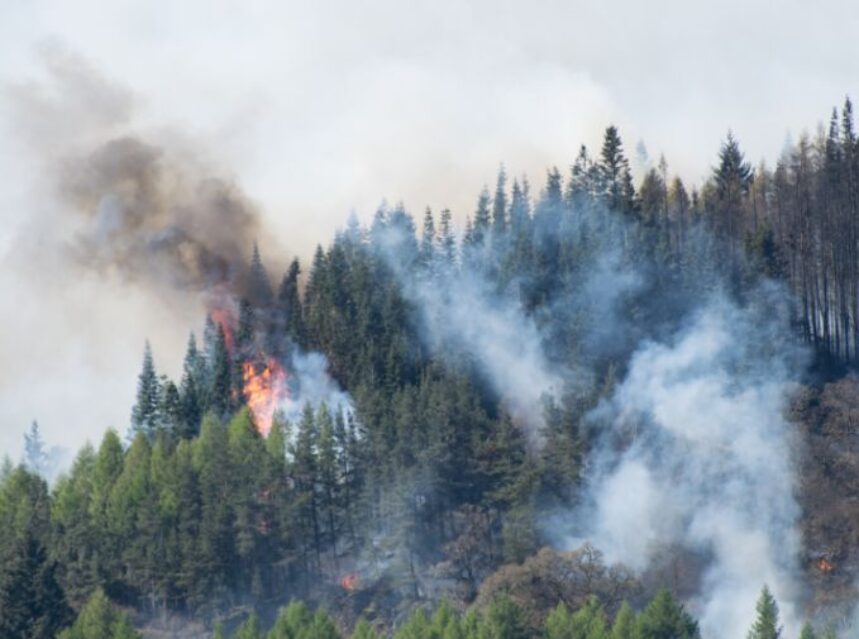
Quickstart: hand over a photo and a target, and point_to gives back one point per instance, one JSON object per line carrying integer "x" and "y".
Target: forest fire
{"x": 824, "y": 566}
{"x": 225, "y": 318}
{"x": 264, "y": 388}
{"x": 350, "y": 582}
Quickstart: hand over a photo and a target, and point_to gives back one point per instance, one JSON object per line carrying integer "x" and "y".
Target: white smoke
{"x": 696, "y": 454}
{"x": 505, "y": 343}
{"x": 310, "y": 384}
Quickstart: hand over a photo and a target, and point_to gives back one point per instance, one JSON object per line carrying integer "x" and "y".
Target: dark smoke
{"x": 155, "y": 222}
{"x": 146, "y": 205}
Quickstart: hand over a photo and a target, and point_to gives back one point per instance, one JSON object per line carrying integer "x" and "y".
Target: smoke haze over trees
{"x": 602, "y": 397}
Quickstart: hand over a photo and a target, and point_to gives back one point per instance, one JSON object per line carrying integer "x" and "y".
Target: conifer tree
{"x": 34, "y": 450}
{"x": 221, "y": 390}
{"x": 191, "y": 390}
{"x": 99, "y": 619}
{"x": 504, "y": 619}
{"x": 428, "y": 240}
{"x": 807, "y": 632}
{"x": 499, "y": 205}
{"x": 447, "y": 240}
{"x": 482, "y": 219}
{"x": 259, "y": 291}
{"x": 145, "y": 414}
{"x": 289, "y": 304}
{"x": 766, "y": 624}
{"x": 624, "y": 623}
{"x": 32, "y": 604}
{"x": 663, "y": 618}
{"x": 614, "y": 169}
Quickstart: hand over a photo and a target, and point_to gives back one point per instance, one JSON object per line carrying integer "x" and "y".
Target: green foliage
{"x": 624, "y": 626}
{"x": 766, "y": 624}
{"x": 146, "y": 414}
{"x": 664, "y": 618}
{"x": 807, "y": 632}
{"x": 32, "y": 603}
{"x": 432, "y": 471}
{"x": 503, "y": 619}
{"x": 99, "y": 619}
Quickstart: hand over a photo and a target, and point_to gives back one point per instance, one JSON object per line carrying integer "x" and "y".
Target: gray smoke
{"x": 311, "y": 384}
{"x": 154, "y": 220}
{"x": 692, "y": 456}
{"x": 140, "y": 203}
{"x": 707, "y": 463}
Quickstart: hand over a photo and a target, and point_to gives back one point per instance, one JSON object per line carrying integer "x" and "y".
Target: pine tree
{"x": 482, "y": 219}
{"x": 191, "y": 387}
{"x": 499, "y": 205}
{"x": 220, "y": 393}
{"x": 259, "y": 291}
{"x": 581, "y": 187}
{"x": 428, "y": 240}
{"x": 504, "y": 619}
{"x": 614, "y": 170}
{"x": 624, "y": 623}
{"x": 732, "y": 180}
{"x": 145, "y": 414}
{"x": 328, "y": 476}
{"x": 557, "y": 624}
{"x": 289, "y": 304}
{"x": 766, "y": 624}
{"x": 590, "y": 622}
{"x": 99, "y": 619}
{"x": 663, "y": 618}
{"x": 250, "y": 629}
{"x": 807, "y": 632}
{"x": 35, "y": 457}
{"x": 170, "y": 409}
{"x": 32, "y": 604}
{"x": 447, "y": 240}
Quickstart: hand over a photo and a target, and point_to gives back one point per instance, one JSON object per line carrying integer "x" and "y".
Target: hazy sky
{"x": 320, "y": 108}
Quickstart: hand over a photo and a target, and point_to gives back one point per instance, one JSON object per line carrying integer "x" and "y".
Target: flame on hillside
{"x": 225, "y": 318}
{"x": 264, "y": 388}
{"x": 350, "y": 582}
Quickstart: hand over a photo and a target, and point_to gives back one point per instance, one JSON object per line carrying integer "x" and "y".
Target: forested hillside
{"x": 423, "y": 419}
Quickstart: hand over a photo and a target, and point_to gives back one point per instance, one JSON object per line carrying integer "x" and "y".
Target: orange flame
{"x": 264, "y": 389}
{"x": 824, "y": 566}
{"x": 349, "y": 582}
{"x": 225, "y": 318}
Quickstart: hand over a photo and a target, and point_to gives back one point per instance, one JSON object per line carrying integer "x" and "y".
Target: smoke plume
{"x": 695, "y": 455}
{"x": 691, "y": 455}
{"x": 155, "y": 221}
{"x": 142, "y": 203}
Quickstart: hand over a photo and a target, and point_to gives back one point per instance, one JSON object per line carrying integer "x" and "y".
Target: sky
{"x": 320, "y": 109}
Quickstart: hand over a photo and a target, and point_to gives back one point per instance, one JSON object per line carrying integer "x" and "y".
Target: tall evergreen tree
{"x": 32, "y": 604}
{"x": 663, "y": 618}
{"x": 145, "y": 415}
{"x": 614, "y": 171}
{"x": 221, "y": 400}
{"x": 766, "y": 624}
{"x": 35, "y": 456}
{"x": 259, "y": 291}
{"x": 499, "y": 205}
{"x": 99, "y": 619}
{"x": 289, "y": 304}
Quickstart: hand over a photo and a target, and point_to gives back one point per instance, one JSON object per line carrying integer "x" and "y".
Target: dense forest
{"x": 418, "y": 499}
